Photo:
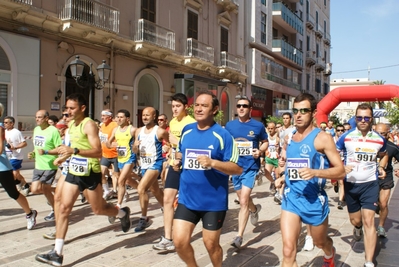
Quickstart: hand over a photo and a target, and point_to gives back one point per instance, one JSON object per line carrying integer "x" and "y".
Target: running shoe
{"x": 165, "y": 245}
{"x": 381, "y": 231}
{"x": 255, "y": 215}
{"x": 51, "y": 258}
{"x": 272, "y": 188}
{"x": 369, "y": 264}
{"x": 143, "y": 224}
{"x": 357, "y": 233}
{"x": 277, "y": 198}
{"x": 308, "y": 246}
{"x": 126, "y": 197}
{"x": 330, "y": 262}
{"x": 125, "y": 220}
{"x": 50, "y": 235}
{"x": 31, "y": 220}
{"x": 237, "y": 242}
{"x": 50, "y": 217}
{"x": 340, "y": 205}
{"x": 237, "y": 201}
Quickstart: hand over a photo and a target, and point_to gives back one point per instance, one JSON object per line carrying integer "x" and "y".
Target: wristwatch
{"x": 76, "y": 151}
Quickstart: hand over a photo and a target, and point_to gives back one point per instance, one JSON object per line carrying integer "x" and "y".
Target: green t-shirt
{"x": 46, "y": 139}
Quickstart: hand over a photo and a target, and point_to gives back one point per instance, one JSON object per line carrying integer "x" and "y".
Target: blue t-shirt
{"x": 205, "y": 189}
{"x": 247, "y": 136}
{"x": 5, "y": 164}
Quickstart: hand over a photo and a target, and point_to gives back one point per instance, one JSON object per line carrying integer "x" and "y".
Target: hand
{"x": 40, "y": 151}
{"x": 279, "y": 182}
{"x": 176, "y": 164}
{"x": 114, "y": 144}
{"x": 381, "y": 173}
{"x": 348, "y": 168}
{"x": 205, "y": 162}
{"x": 65, "y": 150}
{"x": 31, "y": 155}
{"x": 281, "y": 162}
{"x": 58, "y": 162}
{"x": 306, "y": 173}
{"x": 256, "y": 153}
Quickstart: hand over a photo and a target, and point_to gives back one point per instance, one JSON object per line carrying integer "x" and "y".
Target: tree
{"x": 381, "y": 104}
{"x": 393, "y": 111}
{"x": 274, "y": 119}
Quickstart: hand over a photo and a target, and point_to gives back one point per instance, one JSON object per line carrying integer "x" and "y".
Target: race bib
{"x": 9, "y": 154}
{"x": 103, "y": 137}
{"x": 364, "y": 157}
{"x": 293, "y": 166}
{"x": 190, "y": 159}
{"x": 122, "y": 151}
{"x": 272, "y": 149}
{"x": 146, "y": 159}
{"x": 79, "y": 166}
{"x": 39, "y": 141}
{"x": 244, "y": 148}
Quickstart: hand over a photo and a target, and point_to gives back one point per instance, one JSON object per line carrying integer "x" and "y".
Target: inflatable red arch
{"x": 354, "y": 94}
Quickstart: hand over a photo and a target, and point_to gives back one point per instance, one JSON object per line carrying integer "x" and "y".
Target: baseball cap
{"x": 61, "y": 125}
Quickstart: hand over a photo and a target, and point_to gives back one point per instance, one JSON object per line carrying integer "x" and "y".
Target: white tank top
{"x": 148, "y": 148}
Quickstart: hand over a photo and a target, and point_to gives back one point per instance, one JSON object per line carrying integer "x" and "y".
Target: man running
{"x": 171, "y": 187}
{"x": 251, "y": 139}
{"x": 208, "y": 155}
{"x": 148, "y": 143}
{"x": 46, "y": 140}
{"x": 272, "y": 153}
{"x": 361, "y": 147}
{"x": 306, "y": 155}
{"x": 84, "y": 175}
{"x": 15, "y": 142}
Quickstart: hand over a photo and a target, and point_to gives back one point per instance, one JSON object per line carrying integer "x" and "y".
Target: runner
{"x": 272, "y": 153}
{"x": 251, "y": 139}
{"x": 8, "y": 183}
{"x": 339, "y": 185}
{"x": 306, "y": 155}
{"x": 361, "y": 147}
{"x": 84, "y": 175}
{"x": 148, "y": 142}
{"x": 204, "y": 181}
{"x": 171, "y": 187}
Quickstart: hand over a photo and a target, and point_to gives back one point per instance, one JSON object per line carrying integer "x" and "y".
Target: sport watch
{"x": 76, "y": 151}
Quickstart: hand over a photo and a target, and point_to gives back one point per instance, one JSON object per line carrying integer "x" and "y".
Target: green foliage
{"x": 393, "y": 111}
{"x": 379, "y": 103}
{"x": 274, "y": 119}
{"x": 336, "y": 120}
{"x": 218, "y": 118}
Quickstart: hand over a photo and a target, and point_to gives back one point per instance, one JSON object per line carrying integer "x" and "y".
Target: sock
{"x": 143, "y": 217}
{"x": 29, "y": 214}
{"x": 106, "y": 187}
{"x": 121, "y": 213}
{"x": 59, "y": 245}
{"x": 118, "y": 206}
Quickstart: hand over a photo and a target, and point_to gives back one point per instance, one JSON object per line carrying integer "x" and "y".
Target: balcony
{"x": 281, "y": 81}
{"x": 89, "y": 12}
{"x": 228, "y": 5}
{"x": 320, "y": 65}
{"x": 147, "y": 32}
{"x": 319, "y": 31}
{"x": 198, "y": 50}
{"x": 285, "y": 17}
{"x": 25, "y": 2}
{"x": 232, "y": 62}
{"x": 328, "y": 70}
{"x": 327, "y": 38}
{"x": 310, "y": 58}
{"x": 310, "y": 22}
{"x": 288, "y": 51}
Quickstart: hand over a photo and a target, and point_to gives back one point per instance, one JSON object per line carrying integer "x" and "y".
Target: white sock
{"x": 106, "y": 187}
{"x": 329, "y": 257}
{"x": 59, "y": 245}
{"x": 144, "y": 217}
{"x": 121, "y": 213}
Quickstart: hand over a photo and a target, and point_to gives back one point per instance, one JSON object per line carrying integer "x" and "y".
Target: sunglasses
{"x": 65, "y": 115}
{"x": 340, "y": 130}
{"x": 7, "y": 122}
{"x": 160, "y": 119}
{"x": 365, "y": 118}
{"x": 301, "y": 110}
{"x": 242, "y": 105}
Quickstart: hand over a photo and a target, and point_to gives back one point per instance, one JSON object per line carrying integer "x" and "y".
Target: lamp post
{"x": 77, "y": 66}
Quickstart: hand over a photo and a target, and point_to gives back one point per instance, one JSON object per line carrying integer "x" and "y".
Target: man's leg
{"x": 320, "y": 237}
{"x": 104, "y": 180}
{"x": 290, "y": 225}
{"x": 246, "y": 205}
{"x": 383, "y": 204}
{"x": 212, "y": 244}
{"x": 370, "y": 237}
{"x": 145, "y": 183}
{"x": 157, "y": 192}
{"x": 68, "y": 193}
{"x": 126, "y": 170}
{"x": 168, "y": 210}
{"x": 182, "y": 237}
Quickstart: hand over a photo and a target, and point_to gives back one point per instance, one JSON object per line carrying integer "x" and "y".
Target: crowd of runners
{"x": 188, "y": 164}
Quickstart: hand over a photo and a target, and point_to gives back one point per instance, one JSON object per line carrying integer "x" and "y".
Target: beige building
{"x": 155, "y": 49}
{"x": 288, "y": 51}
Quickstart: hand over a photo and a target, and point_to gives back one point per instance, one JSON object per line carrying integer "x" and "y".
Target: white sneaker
{"x": 164, "y": 244}
{"x": 31, "y": 220}
{"x": 308, "y": 246}
{"x": 126, "y": 197}
{"x": 254, "y": 216}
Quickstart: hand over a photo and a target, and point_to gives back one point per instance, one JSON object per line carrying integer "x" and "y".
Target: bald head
{"x": 149, "y": 116}
{"x": 382, "y": 129}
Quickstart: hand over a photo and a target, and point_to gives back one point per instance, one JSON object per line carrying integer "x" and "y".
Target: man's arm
{"x": 136, "y": 143}
{"x": 109, "y": 141}
{"x": 227, "y": 167}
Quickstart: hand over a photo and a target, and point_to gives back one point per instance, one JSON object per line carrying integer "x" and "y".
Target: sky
{"x": 365, "y": 34}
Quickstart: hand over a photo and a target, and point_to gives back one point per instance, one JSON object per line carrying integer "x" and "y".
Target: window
{"x": 300, "y": 45}
{"x": 317, "y": 18}
{"x": 318, "y": 85}
{"x": 307, "y": 43}
{"x": 263, "y": 29}
{"x": 4, "y": 97}
{"x": 192, "y": 25}
{"x": 325, "y": 56}
{"x": 307, "y": 82}
{"x": 148, "y": 10}
{"x": 263, "y": 2}
{"x": 275, "y": 33}
{"x": 224, "y": 39}
{"x": 317, "y": 51}
{"x": 325, "y": 28}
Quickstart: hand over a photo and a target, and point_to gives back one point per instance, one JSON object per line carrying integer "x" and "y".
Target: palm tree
{"x": 381, "y": 104}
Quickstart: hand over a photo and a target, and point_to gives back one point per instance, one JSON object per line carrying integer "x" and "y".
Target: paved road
{"x": 92, "y": 241}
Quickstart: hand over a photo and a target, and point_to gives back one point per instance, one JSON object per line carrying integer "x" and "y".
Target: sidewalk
{"x": 92, "y": 241}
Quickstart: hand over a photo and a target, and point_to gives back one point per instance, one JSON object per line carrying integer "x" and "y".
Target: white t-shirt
{"x": 14, "y": 137}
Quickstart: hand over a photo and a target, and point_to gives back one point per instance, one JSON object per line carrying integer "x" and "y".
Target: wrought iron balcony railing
{"x": 147, "y": 31}
{"x": 231, "y": 61}
{"x": 199, "y": 50}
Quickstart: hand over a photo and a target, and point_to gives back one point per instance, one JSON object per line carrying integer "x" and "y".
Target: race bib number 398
{"x": 190, "y": 159}
{"x": 293, "y": 166}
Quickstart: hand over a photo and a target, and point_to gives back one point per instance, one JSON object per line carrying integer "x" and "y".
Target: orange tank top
{"x": 105, "y": 133}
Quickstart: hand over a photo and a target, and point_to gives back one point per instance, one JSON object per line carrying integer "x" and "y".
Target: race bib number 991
{"x": 190, "y": 159}
{"x": 293, "y": 166}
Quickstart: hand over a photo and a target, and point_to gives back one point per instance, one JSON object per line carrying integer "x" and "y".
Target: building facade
{"x": 288, "y": 52}
{"x": 155, "y": 49}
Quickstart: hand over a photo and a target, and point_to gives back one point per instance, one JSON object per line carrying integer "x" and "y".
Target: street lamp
{"x": 77, "y": 66}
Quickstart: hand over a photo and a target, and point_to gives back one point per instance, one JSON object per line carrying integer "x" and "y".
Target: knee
{"x": 64, "y": 210}
{"x": 320, "y": 243}
{"x": 244, "y": 203}
{"x": 212, "y": 246}
{"x": 289, "y": 251}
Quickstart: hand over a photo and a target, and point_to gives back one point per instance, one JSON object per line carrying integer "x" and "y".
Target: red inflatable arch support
{"x": 364, "y": 93}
